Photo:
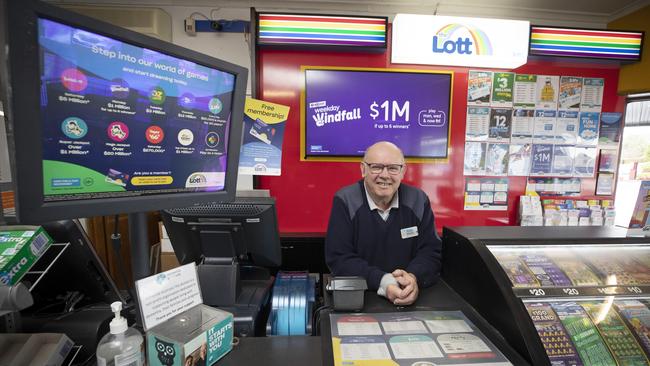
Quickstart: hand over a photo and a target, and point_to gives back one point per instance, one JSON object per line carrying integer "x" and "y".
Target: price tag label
{"x": 536, "y": 292}
{"x": 571, "y": 291}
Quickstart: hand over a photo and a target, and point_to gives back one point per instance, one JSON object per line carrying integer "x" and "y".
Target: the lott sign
{"x": 458, "y": 41}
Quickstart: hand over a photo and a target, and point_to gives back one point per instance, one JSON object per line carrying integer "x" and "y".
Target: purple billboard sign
{"x": 348, "y": 110}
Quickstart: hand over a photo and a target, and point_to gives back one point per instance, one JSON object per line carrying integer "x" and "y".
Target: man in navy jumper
{"x": 384, "y": 231}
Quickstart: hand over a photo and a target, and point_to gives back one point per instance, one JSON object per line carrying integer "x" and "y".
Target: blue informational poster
{"x": 261, "y": 151}
{"x": 588, "y": 130}
{"x": 610, "y": 129}
{"x": 542, "y": 159}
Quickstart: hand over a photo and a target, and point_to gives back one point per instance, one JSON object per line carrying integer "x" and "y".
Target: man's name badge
{"x": 409, "y": 232}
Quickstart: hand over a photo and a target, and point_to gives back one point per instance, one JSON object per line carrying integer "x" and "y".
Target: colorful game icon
{"x": 157, "y": 95}
{"x": 215, "y": 105}
{"x": 74, "y": 80}
{"x": 186, "y": 100}
{"x": 212, "y": 139}
{"x": 185, "y": 137}
{"x": 119, "y": 88}
{"x": 118, "y": 131}
{"x": 117, "y": 177}
{"x": 74, "y": 127}
{"x": 154, "y": 134}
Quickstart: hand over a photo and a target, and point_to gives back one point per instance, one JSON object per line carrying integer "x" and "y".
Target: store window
{"x": 634, "y": 162}
{"x": 635, "y": 153}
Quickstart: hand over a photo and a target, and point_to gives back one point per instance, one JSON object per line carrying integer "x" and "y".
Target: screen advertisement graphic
{"x": 121, "y": 120}
{"x": 347, "y": 110}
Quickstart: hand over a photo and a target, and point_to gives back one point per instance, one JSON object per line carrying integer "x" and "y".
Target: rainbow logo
{"x": 442, "y": 42}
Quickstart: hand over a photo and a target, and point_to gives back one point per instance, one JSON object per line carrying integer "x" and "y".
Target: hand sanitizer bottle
{"x": 122, "y": 345}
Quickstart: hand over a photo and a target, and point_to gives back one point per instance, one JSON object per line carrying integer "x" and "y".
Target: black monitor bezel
{"x": 21, "y": 96}
{"x": 179, "y": 222}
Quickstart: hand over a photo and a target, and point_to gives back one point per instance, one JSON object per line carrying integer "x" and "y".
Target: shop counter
{"x": 316, "y": 350}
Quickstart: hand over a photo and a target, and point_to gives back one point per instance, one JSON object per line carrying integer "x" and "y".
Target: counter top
{"x": 306, "y": 350}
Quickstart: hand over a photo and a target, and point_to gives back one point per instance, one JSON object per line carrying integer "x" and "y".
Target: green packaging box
{"x": 198, "y": 336}
{"x": 20, "y": 247}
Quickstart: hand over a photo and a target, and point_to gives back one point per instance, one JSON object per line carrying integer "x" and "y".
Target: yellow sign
{"x": 153, "y": 180}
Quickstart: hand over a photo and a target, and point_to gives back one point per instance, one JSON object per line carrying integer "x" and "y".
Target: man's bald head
{"x": 383, "y": 146}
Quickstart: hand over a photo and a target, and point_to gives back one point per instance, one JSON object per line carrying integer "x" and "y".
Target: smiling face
{"x": 382, "y": 185}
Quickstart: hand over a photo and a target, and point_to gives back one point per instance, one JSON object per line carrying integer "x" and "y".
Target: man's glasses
{"x": 393, "y": 169}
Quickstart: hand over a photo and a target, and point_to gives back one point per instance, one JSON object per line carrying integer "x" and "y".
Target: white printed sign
{"x": 459, "y": 41}
{"x": 167, "y": 294}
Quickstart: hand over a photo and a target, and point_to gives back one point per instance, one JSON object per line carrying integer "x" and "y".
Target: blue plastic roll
{"x": 293, "y": 295}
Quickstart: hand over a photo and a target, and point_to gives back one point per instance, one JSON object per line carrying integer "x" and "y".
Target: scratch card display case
{"x": 561, "y": 296}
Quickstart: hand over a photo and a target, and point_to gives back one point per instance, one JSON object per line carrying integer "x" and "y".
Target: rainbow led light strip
{"x": 293, "y": 29}
{"x": 585, "y": 43}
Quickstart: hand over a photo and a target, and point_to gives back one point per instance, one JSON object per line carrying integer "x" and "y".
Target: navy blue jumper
{"x": 360, "y": 243}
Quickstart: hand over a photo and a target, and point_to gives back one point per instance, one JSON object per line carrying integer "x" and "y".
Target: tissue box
{"x": 200, "y": 333}
{"x": 20, "y": 247}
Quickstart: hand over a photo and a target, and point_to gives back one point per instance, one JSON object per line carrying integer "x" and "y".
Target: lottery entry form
{"x": 419, "y": 338}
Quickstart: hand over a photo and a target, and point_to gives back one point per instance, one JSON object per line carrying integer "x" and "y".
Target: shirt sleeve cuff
{"x": 386, "y": 280}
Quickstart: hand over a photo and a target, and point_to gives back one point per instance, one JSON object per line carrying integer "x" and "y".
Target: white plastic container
{"x": 122, "y": 346}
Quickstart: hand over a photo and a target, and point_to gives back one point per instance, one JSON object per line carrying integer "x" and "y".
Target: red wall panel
{"x": 304, "y": 191}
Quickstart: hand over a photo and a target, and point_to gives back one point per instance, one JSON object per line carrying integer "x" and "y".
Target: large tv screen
{"x": 346, "y": 110}
{"x": 125, "y": 120}
{"x": 106, "y": 120}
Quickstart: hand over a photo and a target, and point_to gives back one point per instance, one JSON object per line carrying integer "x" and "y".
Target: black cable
{"x": 39, "y": 313}
{"x": 73, "y": 300}
{"x": 69, "y": 300}
{"x": 67, "y": 303}
{"x": 116, "y": 240}
{"x": 62, "y": 314}
{"x": 315, "y": 323}
{"x": 316, "y": 326}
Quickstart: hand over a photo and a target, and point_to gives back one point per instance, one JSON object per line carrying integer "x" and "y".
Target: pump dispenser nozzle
{"x": 118, "y": 324}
